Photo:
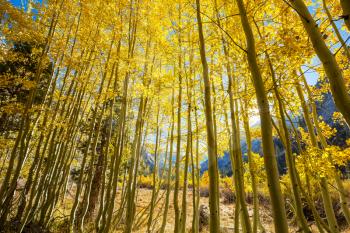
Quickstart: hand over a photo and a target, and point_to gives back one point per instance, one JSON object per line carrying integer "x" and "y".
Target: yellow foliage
{"x": 204, "y": 181}
{"x": 321, "y": 163}
{"x": 145, "y": 181}
{"x": 258, "y": 169}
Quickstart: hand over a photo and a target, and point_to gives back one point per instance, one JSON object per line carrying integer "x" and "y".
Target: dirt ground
{"x": 226, "y": 214}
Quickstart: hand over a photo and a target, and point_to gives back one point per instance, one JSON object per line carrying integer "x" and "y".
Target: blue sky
{"x": 16, "y": 2}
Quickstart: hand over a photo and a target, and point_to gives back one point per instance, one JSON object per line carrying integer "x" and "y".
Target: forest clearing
{"x": 157, "y": 116}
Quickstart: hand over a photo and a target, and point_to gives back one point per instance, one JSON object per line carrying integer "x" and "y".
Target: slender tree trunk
{"x": 330, "y": 65}
{"x": 339, "y": 184}
{"x": 178, "y": 154}
{"x": 288, "y": 148}
{"x": 133, "y": 168}
{"x": 213, "y": 177}
{"x": 345, "y": 4}
{"x": 237, "y": 164}
{"x": 196, "y": 216}
{"x": 168, "y": 190}
{"x": 278, "y": 208}
{"x": 155, "y": 174}
{"x": 327, "y": 202}
{"x": 336, "y": 30}
{"x": 187, "y": 158}
{"x": 256, "y": 215}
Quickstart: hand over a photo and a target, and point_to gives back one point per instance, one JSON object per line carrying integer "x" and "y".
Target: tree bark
{"x": 278, "y": 208}
{"x": 214, "y": 223}
{"x": 330, "y": 65}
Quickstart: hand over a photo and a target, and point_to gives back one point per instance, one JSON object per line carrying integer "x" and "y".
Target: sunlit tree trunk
{"x": 321, "y": 225}
{"x": 18, "y": 157}
{"x": 237, "y": 163}
{"x": 136, "y": 151}
{"x": 178, "y": 142}
{"x": 245, "y": 117}
{"x": 118, "y": 152}
{"x": 345, "y": 4}
{"x": 168, "y": 183}
{"x": 336, "y": 30}
{"x": 234, "y": 179}
{"x": 290, "y": 160}
{"x": 330, "y": 65}
{"x": 285, "y": 138}
{"x": 327, "y": 202}
{"x": 194, "y": 167}
{"x": 155, "y": 173}
{"x": 133, "y": 169}
{"x": 277, "y": 202}
{"x": 213, "y": 177}
{"x": 340, "y": 187}
{"x": 178, "y": 154}
{"x": 187, "y": 158}
{"x": 196, "y": 206}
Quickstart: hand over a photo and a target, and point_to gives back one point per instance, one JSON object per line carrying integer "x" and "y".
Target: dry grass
{"x": 227, "y": 209}
{"x": 226, "y": 213}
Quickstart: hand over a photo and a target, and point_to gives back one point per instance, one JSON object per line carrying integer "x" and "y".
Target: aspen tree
{"x": 178, "y": 141}
{"x": 213, "y": 177}
{"x": 132, "y": 173}
{"x": 136, "y": 151}
{"x": 103, "y": 211}
{"x": 285, "y": 138}
{"x": 277, "y": 202}
{"x": 256, "y": 217}
{"x": 330, "y": 65}
{"x": 37, "y": 158}
{"x": 234, "y": 146}
{"x": 168, "y": 184}
{"x": 194, "y": 167}
{"x": 187, "y": 158}
{"x": 89, "y": 198}
{"x": 8, "y": 186}
{"x": 290, "y": 160}
{"x": 346, "y": 12}
{"x": 237, "y": 164}
{"x": 155, "y": 172}
{"x": 196, "y": 215}
{"x": 321, "y": 225}
{"x": 339, "y": 184}
{"x": 195, "y": 187}
{"x": 336, "y": 30}
{"x": 327, "y": 202}
{"x": 121, "y": 134}
{"x": 117, "y": 154}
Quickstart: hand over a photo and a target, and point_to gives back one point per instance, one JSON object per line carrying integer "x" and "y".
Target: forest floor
{"x": 226, "y": 214}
